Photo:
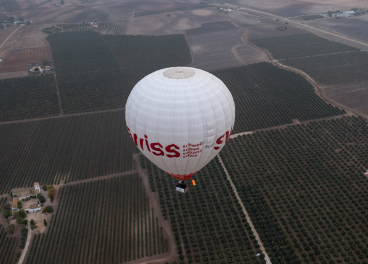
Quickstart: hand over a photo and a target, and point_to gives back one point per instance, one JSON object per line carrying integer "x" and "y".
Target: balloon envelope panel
{"x": 180, "y": 118}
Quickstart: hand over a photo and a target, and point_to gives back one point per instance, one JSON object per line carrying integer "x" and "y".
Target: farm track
{"x": 25, "y": 249}
{"x": 58, "y": 94}
{"x": 59, "y": 116}
{"x": 318, "y": 89}
{"x": 292, "y": 124}
{"x": 2, "y": 44}
{"x": 97, "y": 178}
{"x": 268, "y": 261}
{"x": 300, "y": 25}
{"x": 171, "y": 255}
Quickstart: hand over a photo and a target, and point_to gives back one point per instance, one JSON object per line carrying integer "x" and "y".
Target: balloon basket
{"x": 182, "y": 187}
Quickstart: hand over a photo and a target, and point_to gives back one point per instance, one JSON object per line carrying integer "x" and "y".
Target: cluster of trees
{"x": 208, "y": 222}
{"x": 48, "y": 209}
{"x": 19, "y": 215}
{"x": 24, "y": 234}
{"x": 121, "y": 227}
{"x": 60, "y": 149}
{"x": 28, "y": 97}
{"x": 267, "y": 96}
{"x": 51, "y": 192}
{"x": 306, "y": 185}
{"x": 328, "y": 62}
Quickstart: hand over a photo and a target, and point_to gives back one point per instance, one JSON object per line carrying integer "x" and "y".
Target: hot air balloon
{"x": 180, "y": 119}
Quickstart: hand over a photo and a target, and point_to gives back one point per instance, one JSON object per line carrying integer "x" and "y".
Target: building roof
{"x": 24, "y": 192}
{"x": 35, "y": 184}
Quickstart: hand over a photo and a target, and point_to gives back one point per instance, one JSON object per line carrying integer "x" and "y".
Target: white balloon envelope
{"x": 180, "y": 119}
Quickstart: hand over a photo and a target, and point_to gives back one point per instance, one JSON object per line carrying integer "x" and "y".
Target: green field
{"x": 208, "y": 222}
{"x": 267, "y": 96}
{"x": 328, "y": 62}
{"x": 104, "y": 69}
{"x": 64, "y": 149}
{"x": 29, "y": 97}
{"x": 308, "y": 179}
{"x": 105, "y": 221}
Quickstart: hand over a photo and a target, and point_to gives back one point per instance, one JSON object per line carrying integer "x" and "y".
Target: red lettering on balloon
{"x": 135, "y": 139}
{"x": 129, "y": 133}
{"x": 141, "y": 141}
{"x": 147, "y": 144}
{"x": 159, "y": 150}
{"x": 170, "y": 150}
{"x": 220, "y": 139}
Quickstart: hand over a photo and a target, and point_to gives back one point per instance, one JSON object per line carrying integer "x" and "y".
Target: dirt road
{"x": 59, "y": 116}
{"x": 9, "y": 36}
{"x": 24, "y": 251}
{"x": 268, "y": 261}
{"x": 172, "y": 255}
{"x": 300, "y": 25}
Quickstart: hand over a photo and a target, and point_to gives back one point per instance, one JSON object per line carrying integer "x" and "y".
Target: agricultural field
{"x": 208, "y": 222}
{"x": 269, "y": 30}
{"x": 28, "y": 97}
{"x": 267, "y": 96}
{"x": 298, "y": 46}
{"x": 224, "y": 49}
{"x": 211, "y": 27}
{"x": 305, "y": 184}
{"x": 291, "y": 8}
{"x": 91, "y": 15}
{"x": 247, "y": 19}
{"x": 141, "y": 55}
{"x": 104, "y": 221}
{"x": 26, "y": 45}
{"x": 335, "y": 68}
{"x": 19, "y": 59}
{"x": 173, "y": 23}
{"x": 100, "y": 79}
{"x": 149, "y": 13}
{"x": 87, "y": 50}
{"x": 114, "y": 28}
{"x": 93, "y": 91}
{"x": 353, "y": 95}
{"x": 64, "y": 149}
{"x": 9, "y": 5}
{"x": 354, "y": 27}
{"x": 9, "y": 247}
{"x": 328, "y": 62}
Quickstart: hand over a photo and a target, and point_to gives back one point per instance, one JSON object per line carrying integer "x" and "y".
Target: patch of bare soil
{"x": 172, "y": 22}
{"x": 222, "y": 49}
{"x": 290, "y": 8}
{"x": 354, "y": 27}
{"x": 246, "y": 19}
{"x": 353, "y": 95}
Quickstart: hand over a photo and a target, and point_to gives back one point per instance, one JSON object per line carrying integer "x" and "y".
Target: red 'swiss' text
{"x": 173, "y": 150}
